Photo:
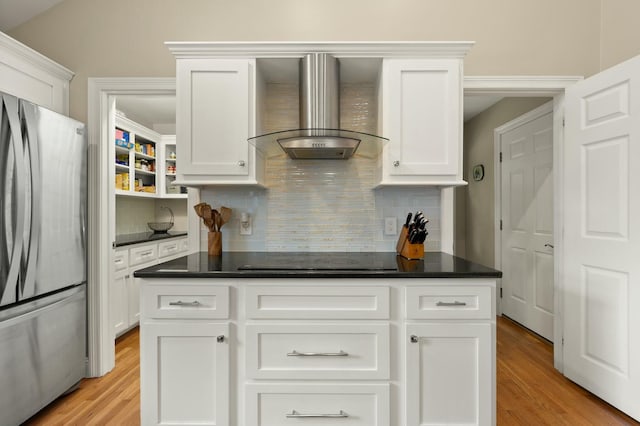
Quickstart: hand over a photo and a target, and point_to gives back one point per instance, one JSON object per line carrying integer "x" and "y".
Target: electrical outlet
{"x": 390, "y": 226}
{"x": 245, "y": 224}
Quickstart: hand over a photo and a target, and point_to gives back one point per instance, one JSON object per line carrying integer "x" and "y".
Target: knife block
{"x": 408, "y": 250}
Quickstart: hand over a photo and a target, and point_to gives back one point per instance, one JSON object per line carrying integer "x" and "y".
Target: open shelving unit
{"x": 146, "y": 165}
{"x": 135, "y": 159}
{"x": 168, "y": 155}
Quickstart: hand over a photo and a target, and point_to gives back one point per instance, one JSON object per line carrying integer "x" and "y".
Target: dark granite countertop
{"x": 145, "y": 237}
{"x": 316, "y": 265}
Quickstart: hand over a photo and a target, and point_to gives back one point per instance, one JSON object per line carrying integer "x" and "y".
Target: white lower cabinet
{"x": 119, "y": 308}
{"x": 396, "y": 353}
{"x": 317, "y": 404}
{"x": 124, "y": 291}
{"x": 448, "y": 378}
{"x": 133, "y": 300}
{"x": 185, "y": 373}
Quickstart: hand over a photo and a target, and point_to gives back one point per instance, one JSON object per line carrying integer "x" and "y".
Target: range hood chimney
{"x": 320, "y": 135}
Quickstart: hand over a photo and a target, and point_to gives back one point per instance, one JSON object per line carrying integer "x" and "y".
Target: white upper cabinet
{"x": 222, "y": 91}
{"x": 214, "y": 118}
{"x": 27, "y": 74}
{"x": 422, "y": 116}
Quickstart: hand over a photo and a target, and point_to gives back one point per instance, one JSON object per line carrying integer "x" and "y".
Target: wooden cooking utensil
{"x": 216, "y": 220}
{"x": 199, "y": 209}
{"x": 225, "y": 215}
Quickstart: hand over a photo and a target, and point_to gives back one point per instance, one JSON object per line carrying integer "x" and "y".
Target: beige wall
{"x": 97, "y": 38}
{"x": 478, "y": 197}
{"x": 620, "y": 38}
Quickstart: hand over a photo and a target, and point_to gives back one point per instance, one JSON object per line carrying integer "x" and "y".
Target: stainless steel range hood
{"x": 319, "y": 135}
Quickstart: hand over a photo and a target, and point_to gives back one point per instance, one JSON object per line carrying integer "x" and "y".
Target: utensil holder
{"x": 409, "y": 250}
{"x": 214, "y": 243}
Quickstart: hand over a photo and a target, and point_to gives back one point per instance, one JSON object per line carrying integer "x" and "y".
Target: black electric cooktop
{"x": 321, "y": 262}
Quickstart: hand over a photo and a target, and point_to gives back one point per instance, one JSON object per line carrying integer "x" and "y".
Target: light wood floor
{"x": 530, "y": 391}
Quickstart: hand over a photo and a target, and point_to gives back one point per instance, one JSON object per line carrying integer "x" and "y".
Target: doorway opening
{"x": 524, "y": 206}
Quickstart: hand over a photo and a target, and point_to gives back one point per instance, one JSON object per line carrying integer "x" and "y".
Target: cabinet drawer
{"x": 444, "y": 302}
{"x": 317, "y": 302}
{"x": 169, "y": 248}
{"x": 121, "y": 260}
{"x": 315, "y": 351}
{"x": 143, "y": 254}
{"x": 204, "y": 302}
{"x": 353, "y": 405}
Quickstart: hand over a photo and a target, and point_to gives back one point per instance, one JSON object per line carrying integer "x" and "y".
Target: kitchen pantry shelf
{"x": 144, "y": 162}
{"x": 169, "y": 170}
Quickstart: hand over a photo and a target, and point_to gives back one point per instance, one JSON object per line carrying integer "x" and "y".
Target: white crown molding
{"x": 38, "y": 60}
{"x": 413, "y": 49}
{"x": 518, "y": 85}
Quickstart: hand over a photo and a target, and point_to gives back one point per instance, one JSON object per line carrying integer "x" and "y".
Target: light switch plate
{"x": 390, "y": 226}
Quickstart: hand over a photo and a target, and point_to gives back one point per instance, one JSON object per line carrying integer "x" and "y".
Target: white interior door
{"x": 601, "y": 281}
{"x": 527, "y": 219}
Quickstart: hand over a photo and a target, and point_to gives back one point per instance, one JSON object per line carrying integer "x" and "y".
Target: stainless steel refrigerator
{"x": 43, "y": 268}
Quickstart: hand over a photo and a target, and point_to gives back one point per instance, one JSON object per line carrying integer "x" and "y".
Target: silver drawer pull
{"x": 181, "y": 303}
{"x": 296, "y": 353}
{"x": 294, "y": 414}
{"x": 456, "y": 303}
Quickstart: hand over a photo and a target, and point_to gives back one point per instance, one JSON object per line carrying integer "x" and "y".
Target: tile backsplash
{"x": 316, "y": 205}
{"x": 321, "y": 205}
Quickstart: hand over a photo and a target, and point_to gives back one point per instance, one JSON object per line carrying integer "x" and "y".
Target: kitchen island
{"x": 371, "y": 339}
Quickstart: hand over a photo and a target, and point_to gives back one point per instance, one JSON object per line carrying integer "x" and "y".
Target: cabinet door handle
{"x": 220, "y": 338}
{"x": 294, "y": 414}
{"x": 241, "y": 163}
{"x": 396, "y": 163}
{"x": 549, "y": 245}
{"x": 296, "y": 353}
{"x": 181, "y": 303}
{"x": 414, "y": 339}
{"x": 456, "y": 303}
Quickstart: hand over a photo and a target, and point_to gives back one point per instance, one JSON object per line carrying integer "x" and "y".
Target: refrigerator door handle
{"x": 30, "y": 259}
{"x": 10, "y": 106}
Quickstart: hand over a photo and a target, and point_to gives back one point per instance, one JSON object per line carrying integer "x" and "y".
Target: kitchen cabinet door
{"x": 449, "y": 371}
{"x": 185, "y": 373}
{"x": 422, "y": 117}
{"x": 118, "y": 297}
{"x": 133, "y": 299}
{"x": 215, "y": 114}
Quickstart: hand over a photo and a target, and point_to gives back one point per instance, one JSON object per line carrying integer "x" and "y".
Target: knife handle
{"x": 406, "y": 224}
